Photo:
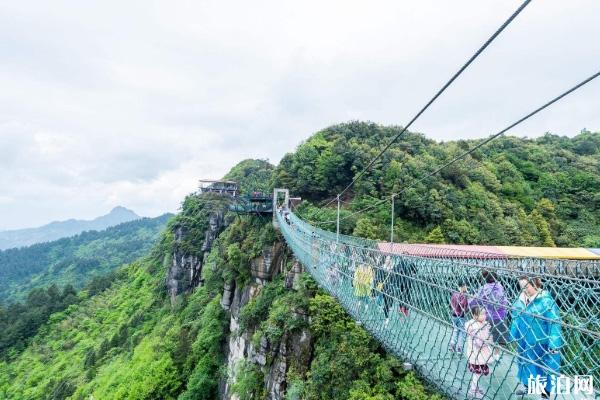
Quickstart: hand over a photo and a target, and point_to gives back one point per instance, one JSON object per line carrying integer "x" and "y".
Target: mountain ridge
{"x": 76, "y": 259}
{"x": 59, "y": 229}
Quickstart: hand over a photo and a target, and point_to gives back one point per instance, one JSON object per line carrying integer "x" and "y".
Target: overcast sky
{"x": 130, "y": 102}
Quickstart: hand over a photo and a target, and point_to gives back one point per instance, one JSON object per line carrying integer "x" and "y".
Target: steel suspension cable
{"x": 479, "y": 145}
{"x": 435, "y": 97}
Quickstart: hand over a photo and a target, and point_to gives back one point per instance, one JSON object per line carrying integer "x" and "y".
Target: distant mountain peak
{"x": 59, "y": 229}
{"x": 123, "y": 210}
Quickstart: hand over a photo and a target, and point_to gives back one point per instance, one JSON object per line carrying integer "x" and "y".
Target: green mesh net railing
{"x": 518, "y": 327}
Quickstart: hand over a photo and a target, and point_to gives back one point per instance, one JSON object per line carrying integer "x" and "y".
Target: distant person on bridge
{"x": 459, "y": 306}
{"x": 492, "y": 296}
{"x": 407, "y": 269}
{"x": 363, "y": 282}
{"x": 536, "y": 328}
{"x": 333, "y": 274}
{"x": 386, "y": 284}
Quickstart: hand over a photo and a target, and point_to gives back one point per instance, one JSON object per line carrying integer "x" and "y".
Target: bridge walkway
{"x": 422, "y": 337}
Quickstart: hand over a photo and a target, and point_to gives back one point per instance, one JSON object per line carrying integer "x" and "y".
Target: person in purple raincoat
{"x": 492, "y": 296}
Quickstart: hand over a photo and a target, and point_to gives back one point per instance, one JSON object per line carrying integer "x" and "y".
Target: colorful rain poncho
{"x": 537, "y": 331}
{"x": 363, "y": 280}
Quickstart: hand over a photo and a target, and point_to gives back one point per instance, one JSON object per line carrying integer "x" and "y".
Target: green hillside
{"x": 131, "y": 341}
{"x": 75, "y": 260}
{"x": 513, "y": 191}
{"x": 128, "y": 342}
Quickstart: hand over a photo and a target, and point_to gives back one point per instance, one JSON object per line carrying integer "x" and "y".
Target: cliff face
{"x": 272, "y": 359}
{"x": 241, "y": 346}
{"x": 185, "y": 271}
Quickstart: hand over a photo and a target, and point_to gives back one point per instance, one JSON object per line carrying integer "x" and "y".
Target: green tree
{"x": 90, "y": 358}
{"x": 249, "y": 383}
{"x": 460, "y": 232}
{"x": 543, "y": 229}
{"x": 435, "y": 236}
{"x": 366, "y": 228}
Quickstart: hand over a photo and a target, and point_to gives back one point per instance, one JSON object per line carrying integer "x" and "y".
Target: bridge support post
{"x": 276, "y": 201}
{"x": 392, "y": 227}
{"x": 337, "y": 235}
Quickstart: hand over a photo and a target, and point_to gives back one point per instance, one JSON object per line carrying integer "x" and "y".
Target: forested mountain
{"x": 130, "y": 341}
{"x": 75, "y": 260}
{"x": 513, "y": 191}
{"x": 253, "y": 176}
{"x": 217, "y": 308}
{"x": 60, "y": 229}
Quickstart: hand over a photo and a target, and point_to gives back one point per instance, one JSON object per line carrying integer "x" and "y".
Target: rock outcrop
{"x": 273, "y": 360}
{"x": 293, "y": 350}
{"x": 186, "y": 269}
{"x": 265, "y": 267}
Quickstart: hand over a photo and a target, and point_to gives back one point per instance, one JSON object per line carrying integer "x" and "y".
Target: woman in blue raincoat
{"x": 536, "y": 329}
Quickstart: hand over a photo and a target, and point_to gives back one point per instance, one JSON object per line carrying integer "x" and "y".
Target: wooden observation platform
{"x": 251, "y": 203}
{"x": 230, "y": 188}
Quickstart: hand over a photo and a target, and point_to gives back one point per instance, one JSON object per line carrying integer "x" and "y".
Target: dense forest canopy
{"x": 513, "y": 191}
{"x": 21, "y": 321}
{"x": 252, "y": 175}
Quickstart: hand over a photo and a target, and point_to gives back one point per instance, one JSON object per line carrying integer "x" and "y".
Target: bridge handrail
{"x": 435, "y": 280}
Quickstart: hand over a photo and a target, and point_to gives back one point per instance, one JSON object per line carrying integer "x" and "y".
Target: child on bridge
{"x": 479, "y": 351}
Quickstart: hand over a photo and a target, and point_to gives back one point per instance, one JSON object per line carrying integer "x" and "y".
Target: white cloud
{"x": 130, "y": 103}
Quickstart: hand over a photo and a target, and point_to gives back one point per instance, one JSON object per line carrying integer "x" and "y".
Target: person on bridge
{"x": 385, "y": 284}
{"x": 363, "y": 284}
{"x": 536, "y": 329}
{"x": 363, "y": 280}
{"x": 344, "y": 263}
{"x": 406, "y": 270}
{"x": 332, "y": 265}
{"x": 286, "y": 216}
{"x": 459, "y": 306}
{"x": 492, "y": 296}
{"x": 478, "y": 349}
{"x": 352, "y": 265}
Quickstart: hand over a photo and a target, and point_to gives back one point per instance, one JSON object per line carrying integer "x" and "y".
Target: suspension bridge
{"x": 546, "y": 330}
{"x": 349, "y": 268}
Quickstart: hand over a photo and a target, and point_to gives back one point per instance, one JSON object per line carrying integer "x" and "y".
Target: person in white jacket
{"x": 479, "y": 350}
